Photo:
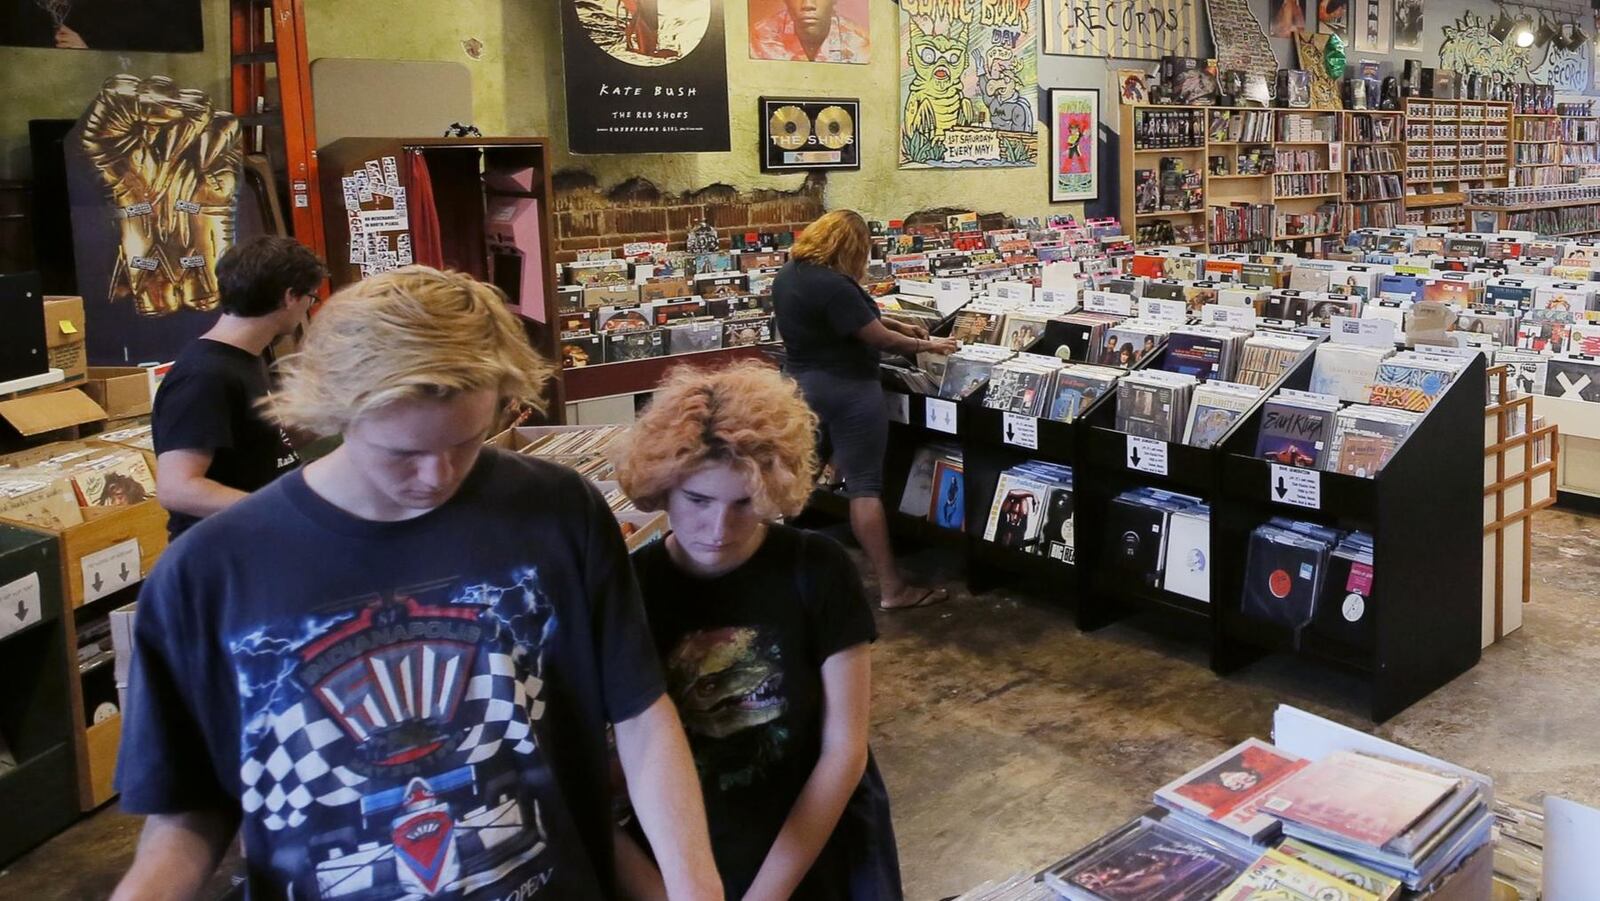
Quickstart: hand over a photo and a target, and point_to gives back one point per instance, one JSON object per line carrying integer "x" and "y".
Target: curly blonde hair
{"x": 748, "y": 414}
{"x": 839, "y": 240}
{"x": 410, "y": 333}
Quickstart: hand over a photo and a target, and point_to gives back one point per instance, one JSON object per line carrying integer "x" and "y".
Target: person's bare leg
{"x": 870, "y": 524}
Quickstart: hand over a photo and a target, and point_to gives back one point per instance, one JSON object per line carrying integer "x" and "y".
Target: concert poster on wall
{"x": 645, "y": 76}
{"x": 1074, "y": 130}
{"x": 1371, "y": 24}
{"x": 157, "y": 26}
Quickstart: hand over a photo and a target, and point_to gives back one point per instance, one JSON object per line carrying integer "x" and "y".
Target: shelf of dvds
{"x": 1481, "y": 126}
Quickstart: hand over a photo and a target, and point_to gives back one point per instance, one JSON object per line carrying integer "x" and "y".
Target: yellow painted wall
{"x": 517, "y": 89}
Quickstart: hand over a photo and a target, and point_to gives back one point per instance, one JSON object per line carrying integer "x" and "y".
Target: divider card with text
{"x": 645, "y": 76}
{"x": 969, "y": 84}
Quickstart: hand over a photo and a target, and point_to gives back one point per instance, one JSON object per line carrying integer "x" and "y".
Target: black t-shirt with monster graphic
{"x": 411, "y": 708}
{"x": 743, "y": 655}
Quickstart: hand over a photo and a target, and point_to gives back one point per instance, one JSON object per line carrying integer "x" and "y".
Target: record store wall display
{"x": 645, "y": 76}
{"x": 1074, "y": 126}
{"x": 818, "y": 31}
{"x": 153, "y": 174}
{"x": 809, "y": 133}
{"x": 1121, "y": 29}
{"x": 969, "y": 82}
{"x": 1242, "y": 46}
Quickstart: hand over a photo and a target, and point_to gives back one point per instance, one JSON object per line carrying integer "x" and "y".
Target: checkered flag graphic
{"x": 286, "y": 771}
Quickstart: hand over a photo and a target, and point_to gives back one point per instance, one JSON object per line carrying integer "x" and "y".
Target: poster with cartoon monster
{"x": 969, "y": 84}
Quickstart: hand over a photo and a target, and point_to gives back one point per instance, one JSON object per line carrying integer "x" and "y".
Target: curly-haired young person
{"x": 764, "y": 632}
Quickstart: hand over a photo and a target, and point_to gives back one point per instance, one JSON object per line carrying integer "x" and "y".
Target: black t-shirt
{"x": 207, "y": 402}
{"x": 411, "y": 708}
{"x": 819, "y": 312}
{"x": 743, "y": 655}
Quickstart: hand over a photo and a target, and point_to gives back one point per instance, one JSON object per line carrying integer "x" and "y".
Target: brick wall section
{"x": 588, "y": 217}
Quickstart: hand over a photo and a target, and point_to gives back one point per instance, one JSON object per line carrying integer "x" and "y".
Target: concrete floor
{"x": 1008, "y": 739}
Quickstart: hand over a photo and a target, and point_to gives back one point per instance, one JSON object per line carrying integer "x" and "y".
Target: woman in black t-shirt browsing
{"x": 833, "y": 333}
{"x": 763, "y": 631}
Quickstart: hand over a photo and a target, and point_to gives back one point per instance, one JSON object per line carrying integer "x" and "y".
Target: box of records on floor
{"x": 583, "y": 448}
{"x": 1326, "y": 814}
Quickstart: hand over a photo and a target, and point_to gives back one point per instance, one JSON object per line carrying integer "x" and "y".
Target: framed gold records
{"x": 809, "y": 133}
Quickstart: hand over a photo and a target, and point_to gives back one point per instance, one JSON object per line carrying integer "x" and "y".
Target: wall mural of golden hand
{"x": 170, "y": 165}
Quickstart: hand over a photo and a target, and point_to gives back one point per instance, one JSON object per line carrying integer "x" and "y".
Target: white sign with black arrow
{"x": 1147, "y": 455}
{"x": 111, "y": 569}
{"x": 1022, "y": 431}
{"x": 1293, "y": 485}
{"x": 19, "y": 604}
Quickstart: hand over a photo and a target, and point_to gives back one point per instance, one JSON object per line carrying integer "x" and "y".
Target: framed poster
{"x": 969, "y": 85}
{"x": 1120, "y": 29}
{"x": 645, "y": 76}
{"x": 815, "y": 31}
{"x": 803, "y": 133}
{"x": 1370, "y": 26}
{"x": 1074, "y": 137}
{"x": 1408, "y": 24}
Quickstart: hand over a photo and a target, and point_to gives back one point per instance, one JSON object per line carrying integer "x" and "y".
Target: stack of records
{"x": 1365, "y": 437}
{"x": 1019, "y": 887}
{"x": 1222, "y": 798}
{"x": 1347, "y": 590}
{"x": 1154, "y": 404}
{"x": 1347, "y": 371}
{"x": 1032, "y": 511}
{"x": 908, "y": 377}
{"x": 978, "y": 322}
{"x": 1147, "y": 859}
{"x": 1131, "y": 341}
{"x": 1285, "y": 564}
{"x": 1204, "y": 351}
{"x": 1402, "y": 819}
{"x": 693, "y": 336}
{"x": 1019, "y": 329}
{"x": 1296, "y": 427}
{"x": 935, "y": 487}
{"x": 1022, "y": 384}
{"x": 969, "y": 368}
{"x": 1084, "y": 334}
{"x": 1266, "y": 357}
{"x": 904, "y": 309}
{"x": 1527, "y": 370}
{"x": 1297, "y": 871}
{"x": 1131, "y": 285}
{"x": 1077, "y": 386}
{"x": 1161, "y": 540}
{"x": 1214, "y": 409}
{"x": 1411, "y": 381}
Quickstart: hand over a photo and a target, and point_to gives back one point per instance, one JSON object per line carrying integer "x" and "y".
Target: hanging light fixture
{"x": 1546, "y": 33}
{"x": 1522, "y": 31}
{"x": 1500, "y": 28}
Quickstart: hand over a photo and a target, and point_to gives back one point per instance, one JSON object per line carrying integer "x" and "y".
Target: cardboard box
{"x": 64, "y": 336}
{"x": 52, "y": 411}
{"x": 123, "y": 391}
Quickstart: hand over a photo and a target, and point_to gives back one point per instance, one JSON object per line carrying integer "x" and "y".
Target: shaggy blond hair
{"x": 748, "y": 415}
{"x": 410, "y": 333}
{"x": 840, "y": 240}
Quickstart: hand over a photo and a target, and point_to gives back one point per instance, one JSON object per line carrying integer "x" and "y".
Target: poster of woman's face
{"x": 162, "y": 26}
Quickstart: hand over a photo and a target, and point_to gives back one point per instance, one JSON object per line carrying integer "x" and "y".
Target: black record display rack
{"x": 1422, "y": 509}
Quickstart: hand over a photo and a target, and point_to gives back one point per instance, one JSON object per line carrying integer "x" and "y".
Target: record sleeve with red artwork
{"x": 1364, "y": 799}
{"x": 1229, "y": 789}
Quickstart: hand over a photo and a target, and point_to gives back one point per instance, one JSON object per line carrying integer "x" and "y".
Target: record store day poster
{"x": 969, "y": 84}
{"x": 645, "y": 76}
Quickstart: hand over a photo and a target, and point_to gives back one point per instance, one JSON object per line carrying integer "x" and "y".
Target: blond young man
{"x": 393, "y": 669}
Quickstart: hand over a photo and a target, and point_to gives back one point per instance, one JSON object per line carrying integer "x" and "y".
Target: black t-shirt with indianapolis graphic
{"x": 402, "y": 709}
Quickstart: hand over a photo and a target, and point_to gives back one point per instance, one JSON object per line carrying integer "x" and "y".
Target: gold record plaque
{"x": 809, "y": 133}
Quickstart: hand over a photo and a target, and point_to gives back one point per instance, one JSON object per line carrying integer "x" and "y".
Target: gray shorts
{"x": 854, "y": 426}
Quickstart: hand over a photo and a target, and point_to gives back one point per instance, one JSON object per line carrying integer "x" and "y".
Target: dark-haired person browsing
{"x": 833, "y": 333}
{"x": 212, "y": 445}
